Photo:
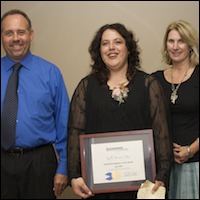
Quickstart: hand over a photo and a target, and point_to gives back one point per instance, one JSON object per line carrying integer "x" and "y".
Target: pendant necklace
{"x": 174, "y": 95}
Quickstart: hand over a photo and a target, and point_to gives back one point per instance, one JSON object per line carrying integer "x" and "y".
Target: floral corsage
{"x": 120, "y": 93}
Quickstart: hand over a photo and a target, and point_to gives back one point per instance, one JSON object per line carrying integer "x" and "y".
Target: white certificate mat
{"x": 117, "y": 161}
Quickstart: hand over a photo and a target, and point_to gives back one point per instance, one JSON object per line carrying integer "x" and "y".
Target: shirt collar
{"x": 26, "y": 62}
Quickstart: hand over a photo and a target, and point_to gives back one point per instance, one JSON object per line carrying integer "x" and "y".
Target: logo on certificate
{"x": 113, "y": 175}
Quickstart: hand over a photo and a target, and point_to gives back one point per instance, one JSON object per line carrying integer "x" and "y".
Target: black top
{"x": 93, "y": 110}
{"x": 185, "y": 112}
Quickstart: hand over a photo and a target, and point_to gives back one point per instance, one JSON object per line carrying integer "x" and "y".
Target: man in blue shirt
{"x": 35, "y": 166}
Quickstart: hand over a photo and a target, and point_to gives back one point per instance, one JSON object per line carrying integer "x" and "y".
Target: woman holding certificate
{"x": 117, "y": 96}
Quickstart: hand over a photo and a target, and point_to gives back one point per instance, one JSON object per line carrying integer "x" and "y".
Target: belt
{"x": 21, "y": 151}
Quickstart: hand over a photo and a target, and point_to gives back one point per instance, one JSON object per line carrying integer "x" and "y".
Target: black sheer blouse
{"x": 93, "y": 110}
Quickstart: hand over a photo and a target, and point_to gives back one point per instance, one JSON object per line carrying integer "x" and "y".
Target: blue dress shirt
{"x": 43, "y": 105}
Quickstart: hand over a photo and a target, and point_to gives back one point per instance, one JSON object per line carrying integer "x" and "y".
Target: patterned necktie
{"x": 9, "y": 112}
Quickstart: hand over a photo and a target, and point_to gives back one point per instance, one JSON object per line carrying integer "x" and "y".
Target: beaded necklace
{"x": 174, "y": 95}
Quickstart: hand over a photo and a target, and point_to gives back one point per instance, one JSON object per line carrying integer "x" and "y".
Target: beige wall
{"x": 64, "y": 30}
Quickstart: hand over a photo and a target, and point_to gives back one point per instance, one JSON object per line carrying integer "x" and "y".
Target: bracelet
{"x": 188, "y": 152}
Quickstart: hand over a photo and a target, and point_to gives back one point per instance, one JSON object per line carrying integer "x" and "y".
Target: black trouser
{"x": 29, "y": 174}
{"x": 116, "y": 195}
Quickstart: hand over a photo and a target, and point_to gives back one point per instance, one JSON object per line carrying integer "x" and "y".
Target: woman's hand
{"x": 180, "y": 153}
{"x": 80, "y": 188}
{"x": 157, "y": 185}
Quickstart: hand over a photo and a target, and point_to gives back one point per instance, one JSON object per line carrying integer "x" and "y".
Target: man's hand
{"x": 60, "y": 183}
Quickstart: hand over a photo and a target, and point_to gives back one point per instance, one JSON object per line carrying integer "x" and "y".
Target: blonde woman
{"x": 181, "y": 84}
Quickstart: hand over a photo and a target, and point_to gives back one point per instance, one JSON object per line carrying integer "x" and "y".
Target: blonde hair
{"x": 188, "y": 35}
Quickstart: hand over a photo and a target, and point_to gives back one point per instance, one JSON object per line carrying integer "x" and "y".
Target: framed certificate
{"x": 117, "y": 161}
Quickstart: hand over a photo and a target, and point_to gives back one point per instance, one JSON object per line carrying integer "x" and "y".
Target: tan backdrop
{"x": 64, "y": 30}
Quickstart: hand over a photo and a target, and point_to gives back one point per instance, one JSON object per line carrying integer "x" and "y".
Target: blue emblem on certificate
{"x": 115, "y": 175}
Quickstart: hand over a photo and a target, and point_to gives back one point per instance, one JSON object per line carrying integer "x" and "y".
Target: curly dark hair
{"x": 98, "y": 66}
